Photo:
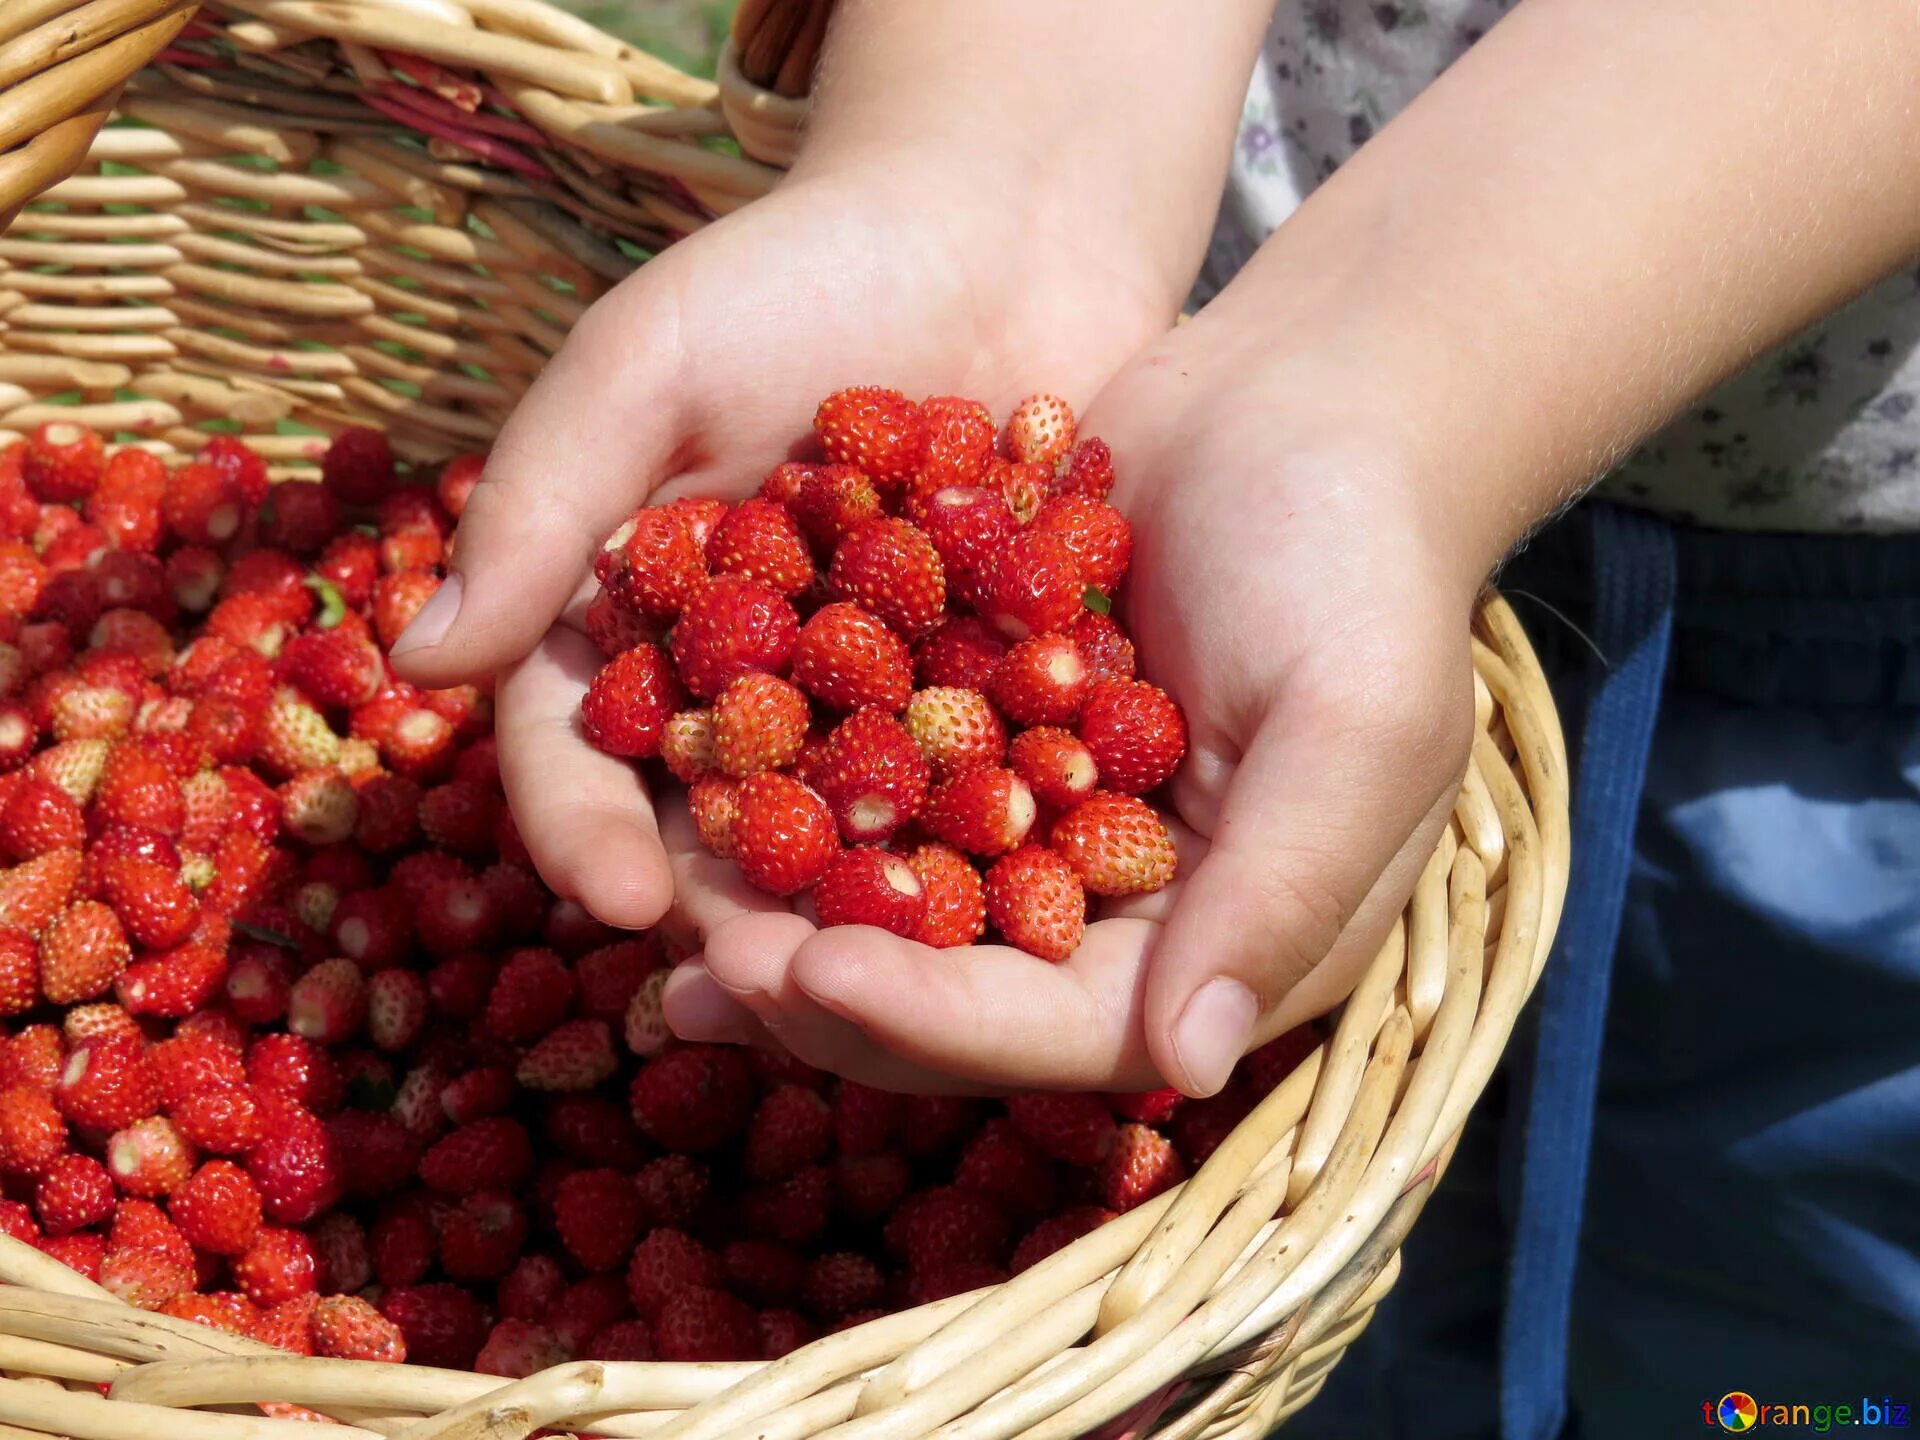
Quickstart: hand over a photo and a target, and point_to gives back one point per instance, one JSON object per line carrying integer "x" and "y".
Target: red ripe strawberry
{"x": 983, "y": 811}
{"x": 218, "y": 1209}
{"x": 34, "y": 1056}
{"x": 81, "y": 951}
{"x": 531, "y": 994}
{"x": 783, "y": 833}
{"x": 63, "y": 462}
{"x": 296, "y": 1069}
{"x": 759, "y": 723}
{"x": 572, "y": 1057}
{"x": 201, "y": 505}
{"x": 228, "y": 1311}
{"x": 529, "y": 1289}
{"x": 959, "y": 445}
{"x": 149, "y": 1158}
{"x": 846, "y": 658}
{"x": 345, "y": 1262}
{"x": 947, "y": 1225}
{"x": 1136, "y": 732}
{"x": 358, "y": 468}
{"x": 443, "y": 1324}
{"x": 372, "y": 927}
{"x": 487, "y": 1153}
{"x": 22, "y": 577}
{"x": 1140, "y": 1165}
{"x": 241, "y": 464}
{"x": 1032, "y": 585}
{"x": 794, "y": 1211}
{"x": 672, "y": 1189}
{"x": 1041, "y": 681}
{"x": 300, "y": 518}
{"x": 865, "y": 1120}
{"x": 388, "y": 815}
{"x": 613, "y": 629}
{"x": 1024, "y": 487}
{"x": 880, "y": 431}
{"x": 1041, "y": 429}
{"x": 1056, "y": 1232}
{"x": 843, "y": 1283}
{"x": 299, "y": 1175}
{"x": 32, "y": 1133}
{"x": 515, "y": 1349}
{"x": 872, "y": 776}
{"x": 791, "y": 1129}
{"x": 759, "y": 540}
{"x": 346, "y": 1327}
{"x": 701, "y": 514}
{"x": 956, "y": 729}
{"x": 460, "y": 816}
{"x": 280, "y": 1265}
{"x": 1098, "y": 535}
{"x": 418, "y": 744}
{"x": 397, "y": 598}
{"x": 328, "y": 1004}
{"x": 1116, "y": 844}
{"x": 1003, "y": 1165}
{"x": 694, "y": 1099}
{"x": 733, "y": 626}
{"x": 1086, "y": 470}
{"x": 962, "y": 651}
{"x": 665, "y": 1263}
{"x": 338, "y": 667}
{"x": 783, "y": 482}
{"x": 956, "y": 907}
{"x": 703, "y": 1324}
{"x": 1076, "y": 1129}
{"x": 870, "y": 887}
{"x": 73, "y": 1193}
{"x": 624, "y": 1341}
{"x": 630, "y": 701}
{"x": 686, "y": 745}
{"x": 172, "y": 982}
{"x": 598, "y": 1214}
{"x": 763, "y": 1272}
{"x": 287, "y": 1326}
{"x": 483, "y": 1236}
{"x": 966, "y": 524}
{"x": 867, "y": 1188}
{"x": 890, "y": 568}
{"x": 82, "y": 1253}
{"x": 384, "y": 1155}
{"x": 713, "y": 799}
{"x": 1278, "y": 1058}
{"x": 652, "y": 564}
{"x": 456, "y": 482}
{"x": 188, "y": 1063}
{"x": 456, "y": 915}
{"x": 144, "y": 1279}
{"x": 832, "y": 501}
{"x": 958, "y": 1277}
{"x": 595, "y": 1129}
{"x": 1036, "y": 901}
{"x": 1056, "y": 764}
{"x": 781, "y": 1333}
{"x": 157, "y": 910}
{"x": 609, "y": 976}
{"x": 142, "y": 1225}
{"x": 351, "y": 564}
{"x": 40, "y": 817}
{"x": 478, "y": 1094}
{"x": 19, "y": 972}
{"x": 18, "y": 735}
{"x": 193, "y": 577}
{"x": 72, "y": 600}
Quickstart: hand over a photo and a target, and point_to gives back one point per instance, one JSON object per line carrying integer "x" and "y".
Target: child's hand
{"x": 691, "y": 378}
{"x": 1310, "y": 615}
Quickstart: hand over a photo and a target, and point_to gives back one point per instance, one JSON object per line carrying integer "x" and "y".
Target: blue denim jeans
{"x": 1708, "y": 1178}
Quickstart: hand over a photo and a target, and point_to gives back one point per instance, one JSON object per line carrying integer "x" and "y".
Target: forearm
{"x": 1104, "y": 124}
{"x": 1605, "y": 208}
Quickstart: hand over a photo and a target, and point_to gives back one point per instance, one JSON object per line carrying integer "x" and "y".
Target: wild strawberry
{"x": 443, "y": 1324}
{"x": 1116, "y": 844}
{"x": 397, "y": 598}
{"x": 672, "y": 1189}
{"x": 328, "y": 1004}
{"x": 94, "y": 1022}
{"x": 528, "y": 1290}
{"x": 571, "y": 1057}
{"x": 713, "y": 801}
{"x": 832, "y": 501}
{"x": 891, "y": 569}
{"x": 1041, "y": 681}
{"x": 457, "y": 480}
{"x": 1076, "y": 1129}
{"x": 351, "y": 564}
{"x": 300, "y": 518}
{"x": 1056, "y": 1232}
{"x": 783, "y": 482}
{"x": 40, "y": 817}
{"x": 295, "y": 738}
{"x": 63, "y": 462}
{"x": 231, "y": 455}
{"x": 81, "y": 951}
{"x": 794, "y": 1211}
{"x": 73, "y": 1193}
{"x": 961, "y": 651}
{"x": 188, "y": 1064}
{"x": 665, "y": 1263}
{"x": 32, "y": 1132}
{"x": 403, "y": 1243}
{"x": 358, "y": 468}
{"x": 487, "y": 1153}
{"x": 172, "y": 982}
{"x": 1000, "y": 1163}
{"x": 847, "y": 658}
{"x": 1085, "y": 470}
{"x": 783, "y": 833}
{"x": 652, "y": 565}
{"x": 482, "y": 1236}
{"x": 706, "y": 1324}
{"x": 781, "y": 1333}
{"x": 687, "y": 745}
{"x": 18, "y": 735}
{"x": 946, "y": 1225}
{"x": 1137, "y": 734}
{"x": 460, "y": 816}
{"x": 594, "y": 1129}
{"x": 759, "y": 723}
{"x": 478, "y": 1094}
{"x": 33, "y": 1056}
{"x": 956, "y": 730}
{"x": 339, "y": 667}
{"x": 701, "y": 514}
{"x": 1140, "y": 1165}
{"x": 299, "y": 1175}
{"x": 1056, "y": 764}
{"x": 868, "y": 1188}
{"x": 966, "y": 524}
{"x": 983, "y": 811}
{"x": 1278, "y": 1058}
{"x": 278, "y": 1266}
{"x": 22, "y": 576}
{"x": 516, "y": 1349}
{"x": 149, "y": 1158}
{"x": 71, "y": 600}
{"x": 227, "y": 1311}
{"x": 90, "y": 712}
{"x": 296, "y": 1069}
{"x": 613, "y": 629}
{"x": 625, "y": 1340}
{"x": 763, "y": 1272}
{"x": 1041, "y": 429}
{"x": 1025, "y": 487}
{"x": 319, "y": 807}
{"x": 840, "y": 1284}
{"x": 759, "y": 540}
{"x": 878, "y": 430}
{"x": 531, "y": 994}
{"x": 73, "y": 765}
{"x": 1031, "y": 585}
{"x": 201, "y": 506}
{"x": 455, "y": 915}
{"x": 415, "y": 876}
{"x": 218, "y": 1209}
{"x": 1098, "y": 535}
{"x": 870, "y": 887}
{"x": 19, "y": 972}
{"x": 730, "y": 627}
{"x": 956, "y": 909}
{"x": 346, "y": 1327}
{"x": 384, "y": 1153}
{"x": 1036, "y": 901}
{"x": 630, "y": 701}
{"x": 959, "y": 445}
{"x": 872, "y": 776}
{"x": 644, "y": 1026}
{"x": 598, "y": 1215}
{"x": 193, "y": 577}
{"x": 144, "y": 1279}
{"x": 694, "y": 1099}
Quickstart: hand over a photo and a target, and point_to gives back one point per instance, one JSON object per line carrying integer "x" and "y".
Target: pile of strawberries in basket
{"x": 297, "y": 1045}
{"x": 860, "y": 640}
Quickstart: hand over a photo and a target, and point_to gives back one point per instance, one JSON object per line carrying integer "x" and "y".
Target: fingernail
{"x": 436, "y": 617}
{"x": 1212, "y": 1033}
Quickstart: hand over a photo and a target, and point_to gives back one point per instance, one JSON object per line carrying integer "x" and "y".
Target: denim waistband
{"x": 1830, "y": 620}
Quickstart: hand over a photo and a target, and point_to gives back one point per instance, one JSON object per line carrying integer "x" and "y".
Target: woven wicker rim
{"x": 370, "y": 270}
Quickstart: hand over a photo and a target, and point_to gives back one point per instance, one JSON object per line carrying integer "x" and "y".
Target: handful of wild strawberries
{"x": 899, "y": 665}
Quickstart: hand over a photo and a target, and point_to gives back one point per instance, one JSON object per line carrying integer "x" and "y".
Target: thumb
{"x": 580, "y": 452}
{"x": 1322, "y": 832}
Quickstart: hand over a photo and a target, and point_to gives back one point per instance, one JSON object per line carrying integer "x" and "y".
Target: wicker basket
{"x": 336, "y": 212}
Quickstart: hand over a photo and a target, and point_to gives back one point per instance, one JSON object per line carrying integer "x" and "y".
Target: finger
{"x": 584, "y": 815}
{"x": 1318, "y": 808}
{"x": 707, "y": 890}
{"x": 700, "y": 1008}
{"x": 579, "y": 453}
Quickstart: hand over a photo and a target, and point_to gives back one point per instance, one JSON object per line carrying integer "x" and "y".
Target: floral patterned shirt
{"x": 1822, "y": 435}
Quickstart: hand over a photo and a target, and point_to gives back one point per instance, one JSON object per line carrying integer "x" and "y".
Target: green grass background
{"x": 686, "y": 32}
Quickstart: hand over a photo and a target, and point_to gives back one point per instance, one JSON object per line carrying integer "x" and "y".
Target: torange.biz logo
{"x": 1738, "y": 1411}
